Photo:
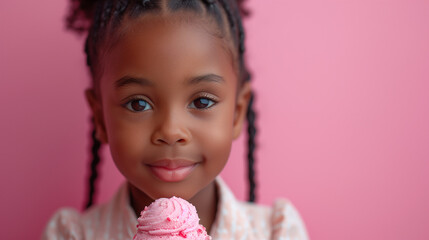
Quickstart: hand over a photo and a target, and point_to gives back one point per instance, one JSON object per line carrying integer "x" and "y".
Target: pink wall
{"x": 343, "y": 100}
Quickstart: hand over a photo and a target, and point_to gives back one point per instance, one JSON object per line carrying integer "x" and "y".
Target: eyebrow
{"x": 126, "y": 80}
{"x": 123, "y": 81}
{"x": 207, "y": 78}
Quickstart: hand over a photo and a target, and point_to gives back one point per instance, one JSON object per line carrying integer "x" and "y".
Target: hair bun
{"x": 244, "y": 12}
{"x": 80, "y": 15}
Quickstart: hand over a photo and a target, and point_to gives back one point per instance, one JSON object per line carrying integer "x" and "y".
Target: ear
{"x": 97, "y": 113}
{"x": 241, "y": 108}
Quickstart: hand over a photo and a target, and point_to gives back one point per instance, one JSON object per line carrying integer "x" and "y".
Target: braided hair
{"x": 98, "y": 18}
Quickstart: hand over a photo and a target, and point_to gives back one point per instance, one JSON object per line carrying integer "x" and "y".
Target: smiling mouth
{"x": 172, "y": 170}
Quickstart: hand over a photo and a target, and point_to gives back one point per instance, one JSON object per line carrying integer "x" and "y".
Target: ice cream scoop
{"x": 170, "y": 218}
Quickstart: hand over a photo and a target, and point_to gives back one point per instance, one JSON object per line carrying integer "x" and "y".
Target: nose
{"x": 171, "y": 130}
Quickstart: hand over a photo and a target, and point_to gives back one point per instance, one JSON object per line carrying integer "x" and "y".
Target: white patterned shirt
{"x": 234, "y": 220}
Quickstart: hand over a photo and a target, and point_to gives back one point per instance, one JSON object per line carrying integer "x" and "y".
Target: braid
{"x": 251, "y": 130}
{"x": 237, "y": 26}
{"x": 118, "y": 12}
{"x": 96, "y": 145}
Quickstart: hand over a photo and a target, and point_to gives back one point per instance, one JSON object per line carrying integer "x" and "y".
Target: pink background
{"x": 343, "y": 102}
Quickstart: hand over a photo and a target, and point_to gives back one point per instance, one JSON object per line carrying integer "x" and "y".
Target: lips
{"x": 172, "y": 170}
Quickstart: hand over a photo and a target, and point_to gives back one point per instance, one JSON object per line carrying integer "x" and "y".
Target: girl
{"x": 170, "y": 93}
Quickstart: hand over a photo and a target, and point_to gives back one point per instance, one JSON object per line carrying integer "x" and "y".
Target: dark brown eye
{"x": 201, "y": 103}
{"x": 138, "y": 105}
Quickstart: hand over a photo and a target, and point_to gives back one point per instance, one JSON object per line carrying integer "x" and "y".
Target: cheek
{"x": 216, "y": 137}
{"x": 126, "y": 139}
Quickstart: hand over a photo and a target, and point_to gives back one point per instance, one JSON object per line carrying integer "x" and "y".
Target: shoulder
{"x": 286, "y": 221}
{"x": 64, "y": 224}
{"x": 68, "y": 223}
{"x": 112, "y": 220}
{"x": 279, "y": 221}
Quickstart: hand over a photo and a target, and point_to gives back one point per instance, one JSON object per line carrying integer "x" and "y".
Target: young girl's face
{"x": 170, "y": 104}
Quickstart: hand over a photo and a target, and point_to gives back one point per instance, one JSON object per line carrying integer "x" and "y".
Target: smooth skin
{"x": 169, "y": 90}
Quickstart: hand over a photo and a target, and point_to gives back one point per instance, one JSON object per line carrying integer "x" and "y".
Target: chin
{"x": 174, "y": 189}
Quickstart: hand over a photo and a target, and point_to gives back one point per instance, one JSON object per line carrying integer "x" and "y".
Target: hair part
{"x": 103, "y": 17}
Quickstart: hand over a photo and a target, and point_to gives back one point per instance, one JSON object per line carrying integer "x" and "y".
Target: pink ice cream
{"x": 170, "y": 218}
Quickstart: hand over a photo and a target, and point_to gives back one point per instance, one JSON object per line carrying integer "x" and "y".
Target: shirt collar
{"x": 230, "y": 221}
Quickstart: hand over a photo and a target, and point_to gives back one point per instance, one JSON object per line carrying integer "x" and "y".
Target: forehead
{"x": 179, "y": 44}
